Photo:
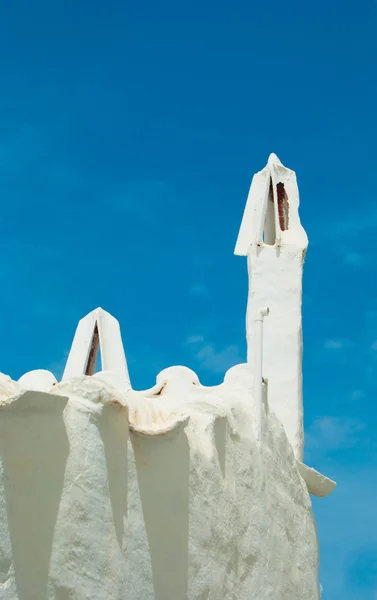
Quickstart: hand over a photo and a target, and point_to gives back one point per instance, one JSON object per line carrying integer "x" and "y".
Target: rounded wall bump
{"x": 39, "y": 380}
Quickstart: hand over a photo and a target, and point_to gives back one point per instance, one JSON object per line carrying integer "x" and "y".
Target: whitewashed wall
{"x": 180, "y": 492}
{"x": 162, "y": 495}
{"x": 274, "y": 241}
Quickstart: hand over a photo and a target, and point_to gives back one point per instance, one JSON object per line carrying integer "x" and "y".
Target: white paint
{"x": 8, "y": 387}
{"x": 39, "y": 380}
{"x": 275, "y": 280}
{"x": 317, "y": 484}
{"x": 156, "y": 495}
{"x": 253, "y": 222}
{"x": 258, "y": 370}
{"x": 113, "y": 358}
{"x": 179, "y": 492}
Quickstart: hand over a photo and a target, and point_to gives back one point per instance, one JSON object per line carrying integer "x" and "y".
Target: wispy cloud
{"x": 219, "y": 361}
{"x": 328, "y": 433}
{"x": 211, "y": 357}
{"x": 355, "y": 259}
{"x": 199, "y": 289}
{"x": 194, "y": 339}
{"x": 337, "y": 344}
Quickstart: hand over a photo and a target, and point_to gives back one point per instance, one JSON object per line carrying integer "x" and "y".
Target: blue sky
{"x": 129, "y": 135}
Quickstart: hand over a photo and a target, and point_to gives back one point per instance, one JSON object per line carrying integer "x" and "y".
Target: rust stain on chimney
{"x": 283, "y": 206}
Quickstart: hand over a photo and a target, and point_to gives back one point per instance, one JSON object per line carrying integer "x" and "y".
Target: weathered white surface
{"x": 276, "y": 276}
{"x": 275, "y": 243}
{"x": 180, "y": 492}
{"x": 8, "y": 387}
{"x": 40, "y": 380}
{"x": 317, "y": 484}
{"x": 259, "y": 220}
{"x": 156, "y": 495}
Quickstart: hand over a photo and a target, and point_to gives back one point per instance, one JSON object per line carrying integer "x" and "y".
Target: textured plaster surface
{"x": 274, "y": 241}
{"x": 275, "y": 277}
{"x": 107, "y": 493}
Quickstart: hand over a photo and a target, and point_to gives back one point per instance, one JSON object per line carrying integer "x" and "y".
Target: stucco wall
{"x": 162, "y": 495}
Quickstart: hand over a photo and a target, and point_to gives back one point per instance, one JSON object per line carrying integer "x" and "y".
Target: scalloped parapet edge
{"x": 146, "y": 415}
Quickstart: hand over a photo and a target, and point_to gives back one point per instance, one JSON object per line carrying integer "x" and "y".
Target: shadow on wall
{"x": 162, "y": 464}
{"x": 34, "y": 449}
{"x": 113, "y": 429}
{"x": 88, "y": 553}
{"x": 220, "y": 435}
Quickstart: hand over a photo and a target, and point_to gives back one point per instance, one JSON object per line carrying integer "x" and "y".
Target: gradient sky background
{"x": 130, "y": 132}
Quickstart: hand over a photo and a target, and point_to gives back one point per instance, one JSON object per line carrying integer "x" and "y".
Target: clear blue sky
{"x": 129, "y": 135}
